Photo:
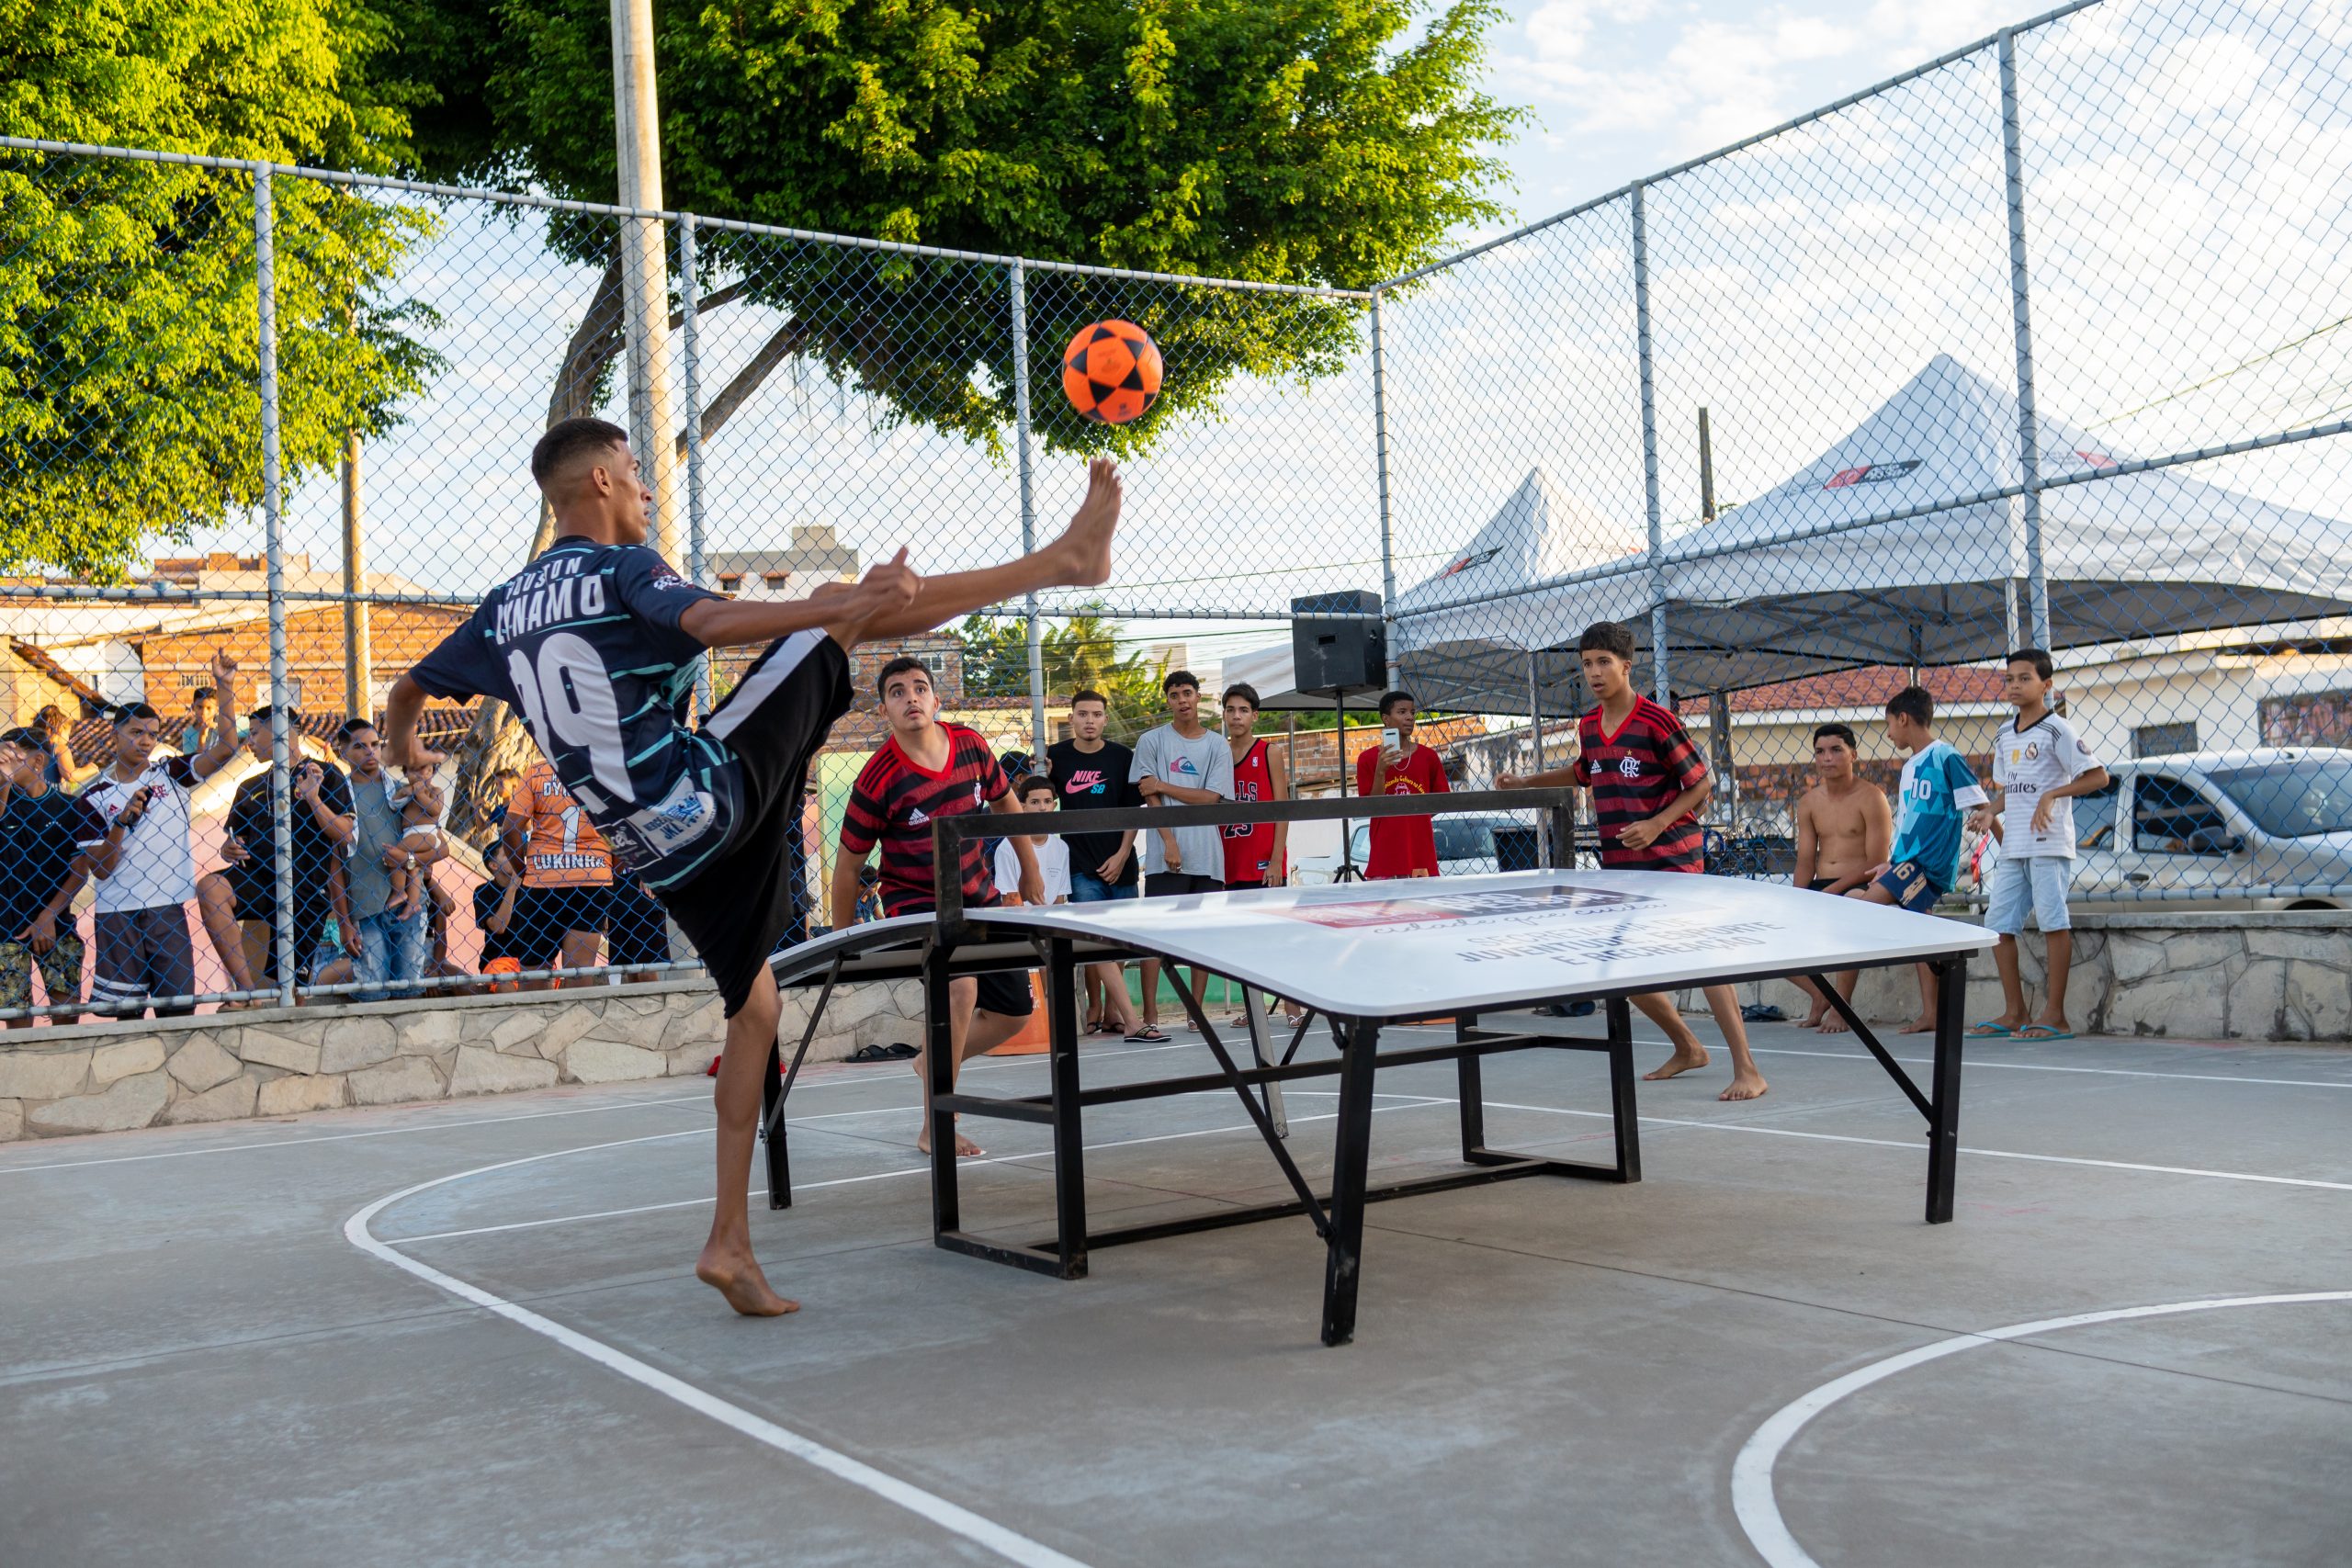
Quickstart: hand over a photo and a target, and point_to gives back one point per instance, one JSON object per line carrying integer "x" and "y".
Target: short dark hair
{"x": 1914, "y": 702}
{"x": 566, "y": 438}
{"x": 1839, "y": 732}
{"x": 1089, "y": 694}
{"x": 203, "y": 694}
{"x": 1033, "y": 782}
{"x": 130, "y": 713}
{"x": 270, "y": 716}
{"x": 1246, "y": 691}
{"x": 1176, "y": 677}
{"x": 25, "y": 739}
{"x": 1607, "y": 636}
{"x": 2037, "y": 657}
{"x": 349, "y": 728}
{"x": 900, "y": 666}
{"x": 1390, "y": 699}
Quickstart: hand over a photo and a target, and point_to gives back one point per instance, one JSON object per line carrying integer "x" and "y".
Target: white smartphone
{"x": 1390, "y": 739}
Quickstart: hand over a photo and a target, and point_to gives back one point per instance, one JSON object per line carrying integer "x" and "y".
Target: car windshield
{"x": 1458, "y": 838}
{"x": 2294, "y": 800}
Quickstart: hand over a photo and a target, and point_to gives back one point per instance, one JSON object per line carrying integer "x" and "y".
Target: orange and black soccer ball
{"x": 1111, "y": 372}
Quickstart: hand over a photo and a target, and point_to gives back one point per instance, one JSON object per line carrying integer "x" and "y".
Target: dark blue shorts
{"x": 1907, "y": 883}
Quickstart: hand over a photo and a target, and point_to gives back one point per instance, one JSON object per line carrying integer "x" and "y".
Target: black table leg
{"x": 1943, "y": 1121}
{"x": 939, "y": 1066}
{"x": 1351, "y": 1159}
{"x": 779, "y": 1156}
{"x": 1069, "y": 1138}
{"x": 1624, "y": 1109}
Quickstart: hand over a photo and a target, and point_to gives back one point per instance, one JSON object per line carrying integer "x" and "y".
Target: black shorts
{"x": 311, "y": 911}
{"x": 542, "y": 916}
{"x": 740, "y": 907}
{"x": 1007, "y": 991}
{"x": 639, "y": 933}
{"x": 1178, "y": 883}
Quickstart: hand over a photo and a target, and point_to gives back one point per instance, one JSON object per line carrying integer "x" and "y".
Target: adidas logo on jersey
{"x": 918, "y": 816}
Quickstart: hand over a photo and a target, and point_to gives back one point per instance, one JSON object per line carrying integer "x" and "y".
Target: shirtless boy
{"x": 1844, "y": 826}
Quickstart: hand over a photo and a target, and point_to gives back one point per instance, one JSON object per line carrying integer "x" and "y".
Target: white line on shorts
{"x": 957, "y": 1520}
{"x": 1751, "y": 1472}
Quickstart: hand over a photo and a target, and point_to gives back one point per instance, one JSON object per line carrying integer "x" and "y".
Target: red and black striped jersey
{"x": 1636, "y": 773}
{"x": 893, "y": 804}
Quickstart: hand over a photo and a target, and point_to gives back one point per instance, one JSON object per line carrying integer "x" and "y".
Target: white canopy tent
{"x": 1823, "y": 572}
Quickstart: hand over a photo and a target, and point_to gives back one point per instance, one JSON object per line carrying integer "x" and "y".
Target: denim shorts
{"x": 2038, "y": 880}
{"x": 1906, "y": 882}
{"x": 1085, "y": 887}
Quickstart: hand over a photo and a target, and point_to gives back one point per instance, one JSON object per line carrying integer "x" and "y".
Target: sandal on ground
{"x": 1149, "y": 1034}
{"x": 2037, "y": 1031}
{"x": 1990, "y": 1030}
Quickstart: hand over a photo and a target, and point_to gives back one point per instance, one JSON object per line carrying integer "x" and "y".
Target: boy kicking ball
{"x": 596, "y": 642}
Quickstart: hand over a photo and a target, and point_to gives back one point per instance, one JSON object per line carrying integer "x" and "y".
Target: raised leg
{"x": 1943, "y": 1122}
{"x": 1350, "y": 1161}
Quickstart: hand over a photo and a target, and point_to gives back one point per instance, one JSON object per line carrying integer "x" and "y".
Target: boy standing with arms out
{"x": 2040, "y": 765}
{"x": 1182, "y": 762}
{"x": 599, "y": 642}
{"x": 1648, "y": 782}
{"x": 923, "y": 770}
{"x": 1401, "y": 846}
{"x": 1843, "y": 826}
{"x": 1936, "y": 787}
{"x": 1095, "y": 774}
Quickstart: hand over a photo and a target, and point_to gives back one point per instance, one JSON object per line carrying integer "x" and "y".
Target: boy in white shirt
{"x": 1036, "y": 793}
{"x": 2040, "y": 765}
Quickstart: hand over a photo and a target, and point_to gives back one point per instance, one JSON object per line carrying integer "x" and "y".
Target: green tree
{"x": 130, "y": 404}
{"x": 1275, "y": 141}
{"x": 1079, "y": 653}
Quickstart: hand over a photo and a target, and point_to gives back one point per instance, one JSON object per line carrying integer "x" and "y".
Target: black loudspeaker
{"x": 1330, "y": 654}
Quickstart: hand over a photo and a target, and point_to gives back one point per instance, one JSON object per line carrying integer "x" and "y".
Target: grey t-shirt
{"x": 1202, "y": 764}
{"x": 376, "y": 823}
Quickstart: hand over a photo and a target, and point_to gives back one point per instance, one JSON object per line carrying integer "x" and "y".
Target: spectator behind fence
{"x": 46, "y": 838}
{"x": 57, "y": 739}
{"x": 494, "y": 917}
{"x": 386, "y": 945}
{"x": 203, "y": 705}
{"x": 565, "y": 903}
{"x": 1181, "y": 764}
{"x": 146, "y": 866}
{"x": 1095, "y": 774}
{"x": 1401, "y": 846}
{"x": 239, "y": 902}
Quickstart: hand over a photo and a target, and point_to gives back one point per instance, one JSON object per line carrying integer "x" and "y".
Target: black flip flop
{"x": 873, "y": 1053}
{"x": 1149, "y": 1034}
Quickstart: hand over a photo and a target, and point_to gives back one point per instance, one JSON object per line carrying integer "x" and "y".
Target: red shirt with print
{"x": 1403, "y": 846}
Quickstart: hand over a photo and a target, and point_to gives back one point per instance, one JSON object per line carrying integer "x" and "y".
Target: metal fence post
{"x": 281, "y": 820}
{"x": 2029, "y": 432}
{"x": 1038, "y": 739}
{"x": 1649, "y": 445}
{"x": 689, "y": 311}
{"x": 1380, "y": 456}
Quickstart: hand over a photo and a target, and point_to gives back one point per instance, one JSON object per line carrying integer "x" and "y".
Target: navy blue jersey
{"x": 586, "y": 642}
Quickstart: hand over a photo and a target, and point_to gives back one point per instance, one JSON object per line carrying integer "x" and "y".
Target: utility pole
{"x": 1718, "y": 703}
{"x": 645, "y": 274}
{"x": 358, "y": 658}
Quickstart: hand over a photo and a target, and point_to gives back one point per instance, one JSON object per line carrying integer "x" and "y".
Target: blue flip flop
{"x": 2040, "y": 1031}
{"x": 1988, "y": 1030}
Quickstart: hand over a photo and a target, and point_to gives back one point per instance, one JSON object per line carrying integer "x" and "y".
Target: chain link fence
{"x": 2038, "y": 344}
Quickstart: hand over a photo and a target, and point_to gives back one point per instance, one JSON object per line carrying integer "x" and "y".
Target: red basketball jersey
{"x": 1250, "y": 846}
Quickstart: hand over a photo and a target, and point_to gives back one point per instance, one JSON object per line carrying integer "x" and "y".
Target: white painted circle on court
{"x": 1751, "y": 1472}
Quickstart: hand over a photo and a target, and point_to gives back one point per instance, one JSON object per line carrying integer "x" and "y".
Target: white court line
{"x": 1973, "y": 1064}
{"x": 957, "y": 1520}
{"x": 1920, "y": 1147}
{"x": 1751, "y": 1472}
{"x": 886, "y": 1174}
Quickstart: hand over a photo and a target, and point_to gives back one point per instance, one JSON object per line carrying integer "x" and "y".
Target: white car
{"x": 2269, "y": 829}
{"x": 1465, "y": 847}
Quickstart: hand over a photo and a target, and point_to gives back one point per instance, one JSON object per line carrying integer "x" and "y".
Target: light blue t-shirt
{"x": 1938, "y": 788}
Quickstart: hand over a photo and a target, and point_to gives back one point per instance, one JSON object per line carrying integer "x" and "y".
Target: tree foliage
{"x": 1299, "y": 142}
{"x": 130, "y": 404}
{"x": 1079, "y": 653}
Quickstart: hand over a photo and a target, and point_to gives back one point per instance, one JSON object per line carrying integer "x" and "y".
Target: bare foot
{"x": 964, "y": 1147}
{"x": 1744, "y": 1086}
{"x": 1811, "y": 1020}
{"x": 1832, "y": 1024}
{"x": 734, "y": 1274}
{"x": 1918, "y": 1026}
{"x": 1681, "y": 1062}
{"x": 1084, "y": 552}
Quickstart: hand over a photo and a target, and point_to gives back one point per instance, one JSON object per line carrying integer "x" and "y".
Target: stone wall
{"x": 108, "y": 1078}
{"x": 2282, "y": 975}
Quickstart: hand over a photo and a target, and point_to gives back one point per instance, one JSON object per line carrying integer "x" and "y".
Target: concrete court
{"x": 200, "y": 1368}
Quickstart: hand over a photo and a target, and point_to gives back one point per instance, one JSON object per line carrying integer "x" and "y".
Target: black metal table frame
{"x": 963, "y": 943}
